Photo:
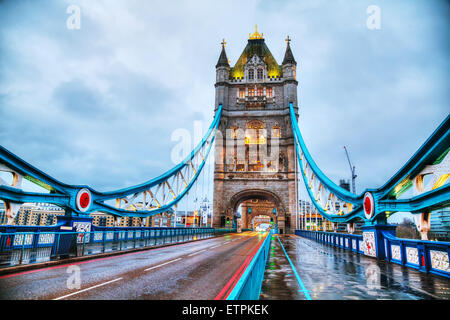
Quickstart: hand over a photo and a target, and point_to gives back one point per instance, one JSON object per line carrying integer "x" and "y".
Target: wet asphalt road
{"x": 330, "y": 273}
{"x": 197, "y": 270}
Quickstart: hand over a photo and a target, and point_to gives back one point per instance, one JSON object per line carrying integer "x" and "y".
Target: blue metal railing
{"x": 425, "y": 256}
{"x": 249, "y": 285}
{"x": 26, "y": 247}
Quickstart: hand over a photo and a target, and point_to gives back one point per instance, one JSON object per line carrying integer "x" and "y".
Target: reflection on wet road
{"x": 194, "y": 270}
{"x": 333, "y": 273}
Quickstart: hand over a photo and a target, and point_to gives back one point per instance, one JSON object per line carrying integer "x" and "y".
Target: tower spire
{"x": 288, "y": 56}
{"x": 223, "y": 60}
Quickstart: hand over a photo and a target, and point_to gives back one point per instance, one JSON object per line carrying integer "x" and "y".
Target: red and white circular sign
{"x": 369, "y": 205}
{"x": 84, "y": 199}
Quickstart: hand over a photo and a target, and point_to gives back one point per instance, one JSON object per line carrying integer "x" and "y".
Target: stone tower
{"x": 254, "y": 155}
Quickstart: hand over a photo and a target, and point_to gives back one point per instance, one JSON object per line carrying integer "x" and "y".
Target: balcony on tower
{"x": 255, "y": 97}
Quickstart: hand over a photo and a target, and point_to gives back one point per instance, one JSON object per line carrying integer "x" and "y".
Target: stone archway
{"x": 252, "y": 216}
{"x": 260, "y": 194}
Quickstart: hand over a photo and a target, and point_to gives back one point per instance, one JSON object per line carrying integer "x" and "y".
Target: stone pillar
{"x": 153, "y": 221}
{"x": 292, "y": 186}
{"x": 244, "y": 216}
{"x": 373, "y": 239}
{"x": 350, "y": 227}
{"x": 423, "y": 224}
{"x": 11, "y": 210}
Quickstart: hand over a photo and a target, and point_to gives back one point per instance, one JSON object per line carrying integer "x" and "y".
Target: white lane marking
{"x": 93, "y": 287}
{"x": 162, "y": 264}
{"x": 226, "y": 242}
{"x": 215, "y": 246}
{"x": 193, "y": 254}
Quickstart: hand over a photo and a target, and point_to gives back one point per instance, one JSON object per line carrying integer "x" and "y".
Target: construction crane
{"x": 352, "y": 169}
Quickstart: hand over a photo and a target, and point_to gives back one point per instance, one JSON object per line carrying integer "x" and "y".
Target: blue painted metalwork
{"x": 385, "y": 198}
{"x": 65, "y": 195}
{"x": 17, "y": 239}
{"x": 425, "y": 256}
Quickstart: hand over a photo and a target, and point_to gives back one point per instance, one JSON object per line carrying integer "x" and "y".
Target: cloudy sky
{"x": 98, "y": 105}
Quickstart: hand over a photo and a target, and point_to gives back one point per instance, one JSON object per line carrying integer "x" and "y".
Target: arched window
{"x": 260, "y": 74}
{"x": 251, "y": 74}
{"x": 255, "y": 124}
{"x": 276, "y": 131}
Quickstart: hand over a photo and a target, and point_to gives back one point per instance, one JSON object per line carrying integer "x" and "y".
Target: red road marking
{"x": 235, "y": 278}
{"x": 83, "y": 262}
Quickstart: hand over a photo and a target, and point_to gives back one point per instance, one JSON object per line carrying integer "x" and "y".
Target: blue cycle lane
{"x": 302, "y": 269}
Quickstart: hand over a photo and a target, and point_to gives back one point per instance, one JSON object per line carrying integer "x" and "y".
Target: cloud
{"x": 98, "y": 105}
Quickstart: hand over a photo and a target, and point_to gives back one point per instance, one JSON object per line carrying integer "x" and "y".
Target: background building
{"x": 34, "y": 214}
{"x": 440, "y": 225}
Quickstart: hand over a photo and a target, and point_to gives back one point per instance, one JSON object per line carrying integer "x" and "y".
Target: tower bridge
{"x": 258, "y": 159}
{"x": 261, "y": 160}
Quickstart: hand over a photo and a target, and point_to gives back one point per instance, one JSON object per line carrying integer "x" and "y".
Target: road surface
{"x": 205, "y": 269}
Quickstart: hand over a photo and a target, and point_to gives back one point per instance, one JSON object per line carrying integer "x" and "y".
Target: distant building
{"x": 102, "y": 220}
{"x": 34, "y": 214}
{"x": 344, "y": 184}
{"x": 2, "y": 213}
{"x": 192, "y": 219}
{"x": 342, "y": 227}
{"x": 440, "y": 224}
{"x": 307, "y": 208}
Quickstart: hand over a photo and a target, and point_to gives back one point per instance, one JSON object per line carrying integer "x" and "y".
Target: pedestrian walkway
{"x": 300, "y": 268}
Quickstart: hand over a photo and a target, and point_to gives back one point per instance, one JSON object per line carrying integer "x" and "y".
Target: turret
{"x": 222, "y": 66}
{"x": 289, "y": 64}
{"x": 289, "y": 67}
{"x": 222, "y": 76}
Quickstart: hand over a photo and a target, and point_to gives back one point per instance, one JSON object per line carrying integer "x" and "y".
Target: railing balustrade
{"x": 425, "y": 256}
{"x": 26, "y": 245}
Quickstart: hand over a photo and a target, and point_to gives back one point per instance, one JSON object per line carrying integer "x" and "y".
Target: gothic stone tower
{"x": 255, "y": 160}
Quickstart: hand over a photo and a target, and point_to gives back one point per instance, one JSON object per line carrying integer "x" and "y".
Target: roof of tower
{"x": 223, "y": 60}
{"x": 288, "y": 56}
{"x": 256, "y": 45}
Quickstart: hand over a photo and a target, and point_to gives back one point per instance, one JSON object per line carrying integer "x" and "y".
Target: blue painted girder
{"x": 64, "y": 195}
{"x": 434, "y": 146}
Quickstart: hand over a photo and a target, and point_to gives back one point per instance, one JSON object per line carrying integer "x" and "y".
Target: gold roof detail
{"x": 255, "y": 35}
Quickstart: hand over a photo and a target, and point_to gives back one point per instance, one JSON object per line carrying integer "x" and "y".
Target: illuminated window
{"x": 251, "y": 92}
{"x": 242, "y": 93}
{"x": 269, "y": 92}
{"x": 259, "y": 74}
{"x": 276, "y": 132}
{"x": 256, "y": 167}
{"x": 234, "y": 132}
{"x": 257, "y": 135}
{"x": 255, "y": 124}
{"x": 251, "y": 74}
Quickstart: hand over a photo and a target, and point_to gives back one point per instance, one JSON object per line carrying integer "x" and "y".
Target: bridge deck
{"x": 197, "y": 270}
{"x": 332, "y": 273}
